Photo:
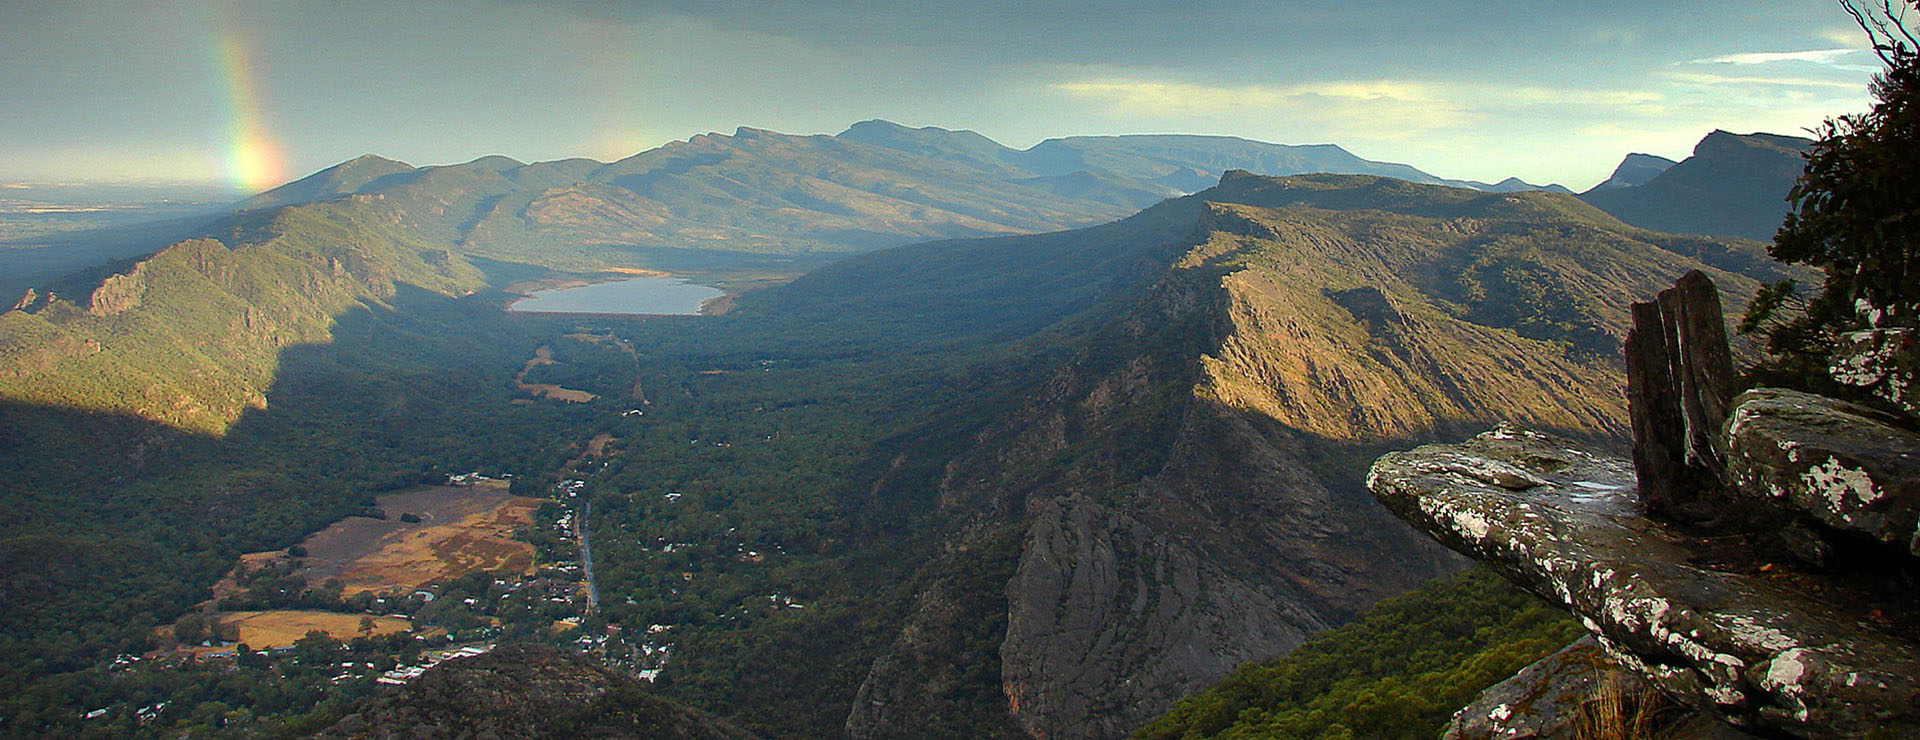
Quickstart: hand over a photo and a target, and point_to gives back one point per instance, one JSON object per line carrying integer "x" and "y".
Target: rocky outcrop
{"x": 28, "y": 301}
{"x": 1679, "y": 382}
{"x": 531, "y": 692}
{"x": 1543, "y": 700}
{"x": 118, "y": 292}
{"x": 1815, "y": 655}
{"x": 1580, "y": 692}
{"x": 1850, "y": 469}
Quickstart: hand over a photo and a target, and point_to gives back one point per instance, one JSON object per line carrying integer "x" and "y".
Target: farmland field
{"x": 460, "y": 530}
{"x": 279, "y": 628}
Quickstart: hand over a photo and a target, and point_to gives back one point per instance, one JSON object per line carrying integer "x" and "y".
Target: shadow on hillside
{"x": 111, "y": 524}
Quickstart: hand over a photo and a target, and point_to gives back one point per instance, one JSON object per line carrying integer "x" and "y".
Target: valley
{"x": 1008, "y": 486}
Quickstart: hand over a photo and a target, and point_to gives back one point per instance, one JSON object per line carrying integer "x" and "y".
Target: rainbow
{"x": 253, "y": 158}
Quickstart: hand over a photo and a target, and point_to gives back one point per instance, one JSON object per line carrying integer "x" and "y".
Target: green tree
{"x": 1855, "y": 214}
{"x": 190, "y": 628}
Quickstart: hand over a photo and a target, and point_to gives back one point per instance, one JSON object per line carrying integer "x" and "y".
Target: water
{"x": 640, "y": 295}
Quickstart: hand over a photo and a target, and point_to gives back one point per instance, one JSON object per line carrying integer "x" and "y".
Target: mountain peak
{"x": 341, "y": 179}
{"x": 749, "y": 133}
{"x": 497, "y": 163}
{"x": 370, "y": 160}
{"x": 1634, "y": 169}
{"x": 875, "y": 125}
{"x": 1733, "y": 185}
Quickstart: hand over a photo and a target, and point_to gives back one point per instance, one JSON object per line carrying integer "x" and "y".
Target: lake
{"x": 639, "y": 295}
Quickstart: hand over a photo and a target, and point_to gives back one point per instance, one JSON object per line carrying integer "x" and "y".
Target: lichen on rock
{"x": 1850, "y": 469}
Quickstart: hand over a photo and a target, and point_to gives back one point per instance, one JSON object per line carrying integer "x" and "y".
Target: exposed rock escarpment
{"x": 1184, "y": 622}
{"x": 1792, "y": 654}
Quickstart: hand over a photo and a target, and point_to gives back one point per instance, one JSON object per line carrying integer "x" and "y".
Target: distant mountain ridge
{"x": 876, "y": 184}
{"x": 1635, "y": 169}
{"x": 1733, "y": 185}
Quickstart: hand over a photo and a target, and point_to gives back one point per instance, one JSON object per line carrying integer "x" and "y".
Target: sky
{"x": 258, "y": 93}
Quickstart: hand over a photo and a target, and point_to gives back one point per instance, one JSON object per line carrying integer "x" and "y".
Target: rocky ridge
{"x": 1184, "y": 494}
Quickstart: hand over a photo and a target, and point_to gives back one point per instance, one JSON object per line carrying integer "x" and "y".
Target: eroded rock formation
{"x": 1679, "y": 381}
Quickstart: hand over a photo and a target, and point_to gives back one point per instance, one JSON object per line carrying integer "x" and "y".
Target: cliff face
{"x": 1185, "y": 494}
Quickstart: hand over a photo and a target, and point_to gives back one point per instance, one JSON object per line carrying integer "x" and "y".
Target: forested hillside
{"x": 192, "y": 336}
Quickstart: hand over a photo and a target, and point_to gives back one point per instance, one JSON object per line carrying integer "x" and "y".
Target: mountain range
{"x": 759, "y": 192}
{"x": 1031, "y": 485}
{"x": 771, "y": 202}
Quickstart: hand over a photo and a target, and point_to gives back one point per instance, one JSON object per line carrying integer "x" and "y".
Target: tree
{"x": 1855, "y": 214}
{"x": 190, "y": 628}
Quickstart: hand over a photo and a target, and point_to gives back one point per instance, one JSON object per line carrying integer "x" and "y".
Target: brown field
{"x": 557, "y": 393}
{"x": 461, "y": 530}
{"x": 262, "y": 630}
{"x": 639, "y": 271}
{"x": 544, "y": 356}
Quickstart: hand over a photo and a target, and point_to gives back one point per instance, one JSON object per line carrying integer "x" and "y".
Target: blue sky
{"x": 254, "y": 92}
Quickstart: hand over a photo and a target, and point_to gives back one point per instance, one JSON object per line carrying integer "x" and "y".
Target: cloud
{"x": 1374, "y": 108}
{"x": 1815, "y": 56}
{"x": 1700, "y": 78}
{"x": 1429, "y": 104}
{"x": 1129, "y": 96}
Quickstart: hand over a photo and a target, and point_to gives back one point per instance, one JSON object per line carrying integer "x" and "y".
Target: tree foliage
{"x": 1398, "y": 672}
{"x": 1856, "y": 214}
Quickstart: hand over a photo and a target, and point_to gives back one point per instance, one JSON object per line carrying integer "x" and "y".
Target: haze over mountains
{"x": 780, "y": 202}
{"x": 760, "y": 192}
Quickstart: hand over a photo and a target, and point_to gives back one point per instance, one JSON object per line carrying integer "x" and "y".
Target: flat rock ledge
{"x": 1783, "y": 655}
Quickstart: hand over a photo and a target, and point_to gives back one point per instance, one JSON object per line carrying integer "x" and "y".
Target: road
{"x": 586, "y": 557}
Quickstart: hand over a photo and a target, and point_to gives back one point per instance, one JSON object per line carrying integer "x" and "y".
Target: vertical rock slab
{"x": 1809, "y": 655}
{"x": 1680, "y": 383}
